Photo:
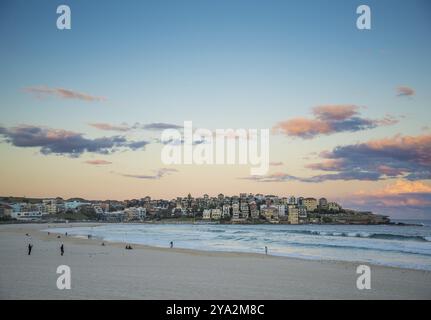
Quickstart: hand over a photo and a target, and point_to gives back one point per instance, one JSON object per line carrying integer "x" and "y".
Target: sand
{"x": 111, "y": 272}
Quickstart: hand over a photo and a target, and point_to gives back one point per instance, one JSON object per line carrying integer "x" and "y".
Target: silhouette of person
{"x": 172, "y": 244}
{"x": 62, "y": 249}
{"x": 266, "y": 250}
{"x": 30, "y": 246}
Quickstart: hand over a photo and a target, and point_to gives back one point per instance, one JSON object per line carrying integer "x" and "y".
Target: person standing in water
{"x": 171, "y": 244}
{"x": 62, "y": 249}
{"x": 30, "y": 246}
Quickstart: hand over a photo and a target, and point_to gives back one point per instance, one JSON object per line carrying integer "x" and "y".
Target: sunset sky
{"x": 82, "y": 110}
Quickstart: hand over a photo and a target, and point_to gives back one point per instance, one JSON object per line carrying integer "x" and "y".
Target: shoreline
{"x": 148, "y": 272}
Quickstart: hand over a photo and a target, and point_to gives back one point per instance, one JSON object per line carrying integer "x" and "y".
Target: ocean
{"x": 389, "y": 245}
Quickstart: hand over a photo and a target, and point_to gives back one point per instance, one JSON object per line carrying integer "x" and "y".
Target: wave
{"x": 382, "y": 236}
{"x": 357, "y": 246}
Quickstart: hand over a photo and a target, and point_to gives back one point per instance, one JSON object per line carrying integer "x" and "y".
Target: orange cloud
{"x": 302, "y": 127}
{"x": 401, "y": 187}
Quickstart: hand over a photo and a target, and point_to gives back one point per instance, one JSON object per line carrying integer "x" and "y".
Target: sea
{"x": 389, "y": 245}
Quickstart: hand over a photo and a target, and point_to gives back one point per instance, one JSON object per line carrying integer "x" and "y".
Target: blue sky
{"x": 220, "y": 64}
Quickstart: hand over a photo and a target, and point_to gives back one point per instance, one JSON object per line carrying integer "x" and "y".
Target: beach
{"x": 111, "y": 272}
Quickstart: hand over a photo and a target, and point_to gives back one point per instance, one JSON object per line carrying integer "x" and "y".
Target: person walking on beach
{"x": 62, "y": 249}
{"x": 171, "y": 244}
{"x": 266, "y": 250}
{"x": 30, "y": 246}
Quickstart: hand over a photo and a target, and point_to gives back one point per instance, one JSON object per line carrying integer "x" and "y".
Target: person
{"x": 30, "y": 246}
{"x": 103, "y": 244}
{"x": 66, "y": 234}
{"x": 266, "y": 250}
{"x": 172, "y": 244}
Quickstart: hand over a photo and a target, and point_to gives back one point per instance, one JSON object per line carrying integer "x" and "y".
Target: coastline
{"x": 194, "y": 274}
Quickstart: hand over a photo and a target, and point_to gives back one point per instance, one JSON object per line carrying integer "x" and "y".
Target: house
{"x": 206, "y": 214}
{"x": 216, "y": 214}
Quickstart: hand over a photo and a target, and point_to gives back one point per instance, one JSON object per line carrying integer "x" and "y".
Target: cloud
{"x": 284, "y": 177}
{"x": 137, "y": 126}
{"x": 335, "y": 112}
{"x": 160, "y": 173}
{"x": 274, "y": 177}
{"x": 63, "y": 142}
{"x": 408, "y": 157}
{"x": 43, "y": 91}
{"x": 399, "y": 187}
{"x": 410, "y": 195}
{"x": 159, "y": 126}
{"x": 98, "y": 162}
{"x": 135, "y": 145}
{"x": 179, "y": 142}
{"x": 109, "y": 127}
{"x": 403, "y": 91}
{"x": 330, "y": 119}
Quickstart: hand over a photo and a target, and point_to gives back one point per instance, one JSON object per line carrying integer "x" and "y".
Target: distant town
{"x": 242, "y": 209}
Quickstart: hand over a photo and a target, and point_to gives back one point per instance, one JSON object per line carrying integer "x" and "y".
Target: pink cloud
{"x": 42, "y": 91}
{"x": 98, "y": 162}
{"x": 404, "y": 91}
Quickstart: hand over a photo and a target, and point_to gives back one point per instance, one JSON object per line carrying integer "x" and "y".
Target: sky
{"x": 82, "y": 110}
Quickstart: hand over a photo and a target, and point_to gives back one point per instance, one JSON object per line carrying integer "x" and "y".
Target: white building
{"x": 226, "y": 210}
{"x": 27, "y": 215}
{"x": 98, "y": 210}
{"x": 73, "y": 205}
{"x": 302, "y": 212}
{"x": 235, "y": 210}
{"x": 216, "y": 214}
{"x": 244, "y": 209}
{"x": 281, "y": 210}
{"x": 206, "y": 214}
{"x": 134, "y": 213}
{"x": 50, "y": 206}
{"x": 333, "y": 206}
